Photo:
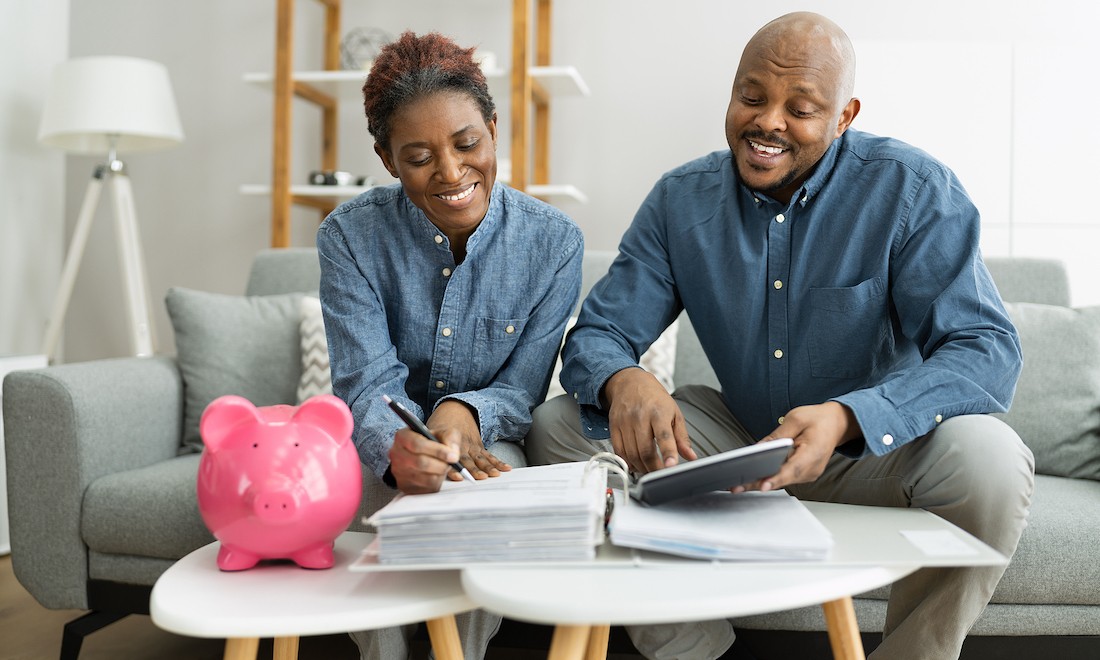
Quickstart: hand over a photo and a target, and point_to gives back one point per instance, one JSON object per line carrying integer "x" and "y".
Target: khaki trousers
{"x": 972, "y": 470}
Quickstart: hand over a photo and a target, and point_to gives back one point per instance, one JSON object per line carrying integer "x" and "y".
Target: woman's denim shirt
{"x": 402, "y": 319}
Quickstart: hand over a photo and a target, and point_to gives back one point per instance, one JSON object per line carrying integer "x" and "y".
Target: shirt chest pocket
{"x": 494, "y": 342}
{"x": 848, "y": 329}
{"x": 502, "y": 331}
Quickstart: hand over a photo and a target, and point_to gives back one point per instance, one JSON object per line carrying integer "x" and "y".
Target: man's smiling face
{"x": 785, "y": 110}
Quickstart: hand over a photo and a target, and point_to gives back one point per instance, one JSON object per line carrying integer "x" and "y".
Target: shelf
{"x": 561, "y": 190}
{"x": 347, "y": 192}
{"x": 339, "y": 84}
{"x": 560, "y": 80}
{"x": 306, "y": 190}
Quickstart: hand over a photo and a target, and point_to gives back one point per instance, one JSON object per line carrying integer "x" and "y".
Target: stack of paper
{"x": 545, "y": 513}
{"x": 769, "y": 526}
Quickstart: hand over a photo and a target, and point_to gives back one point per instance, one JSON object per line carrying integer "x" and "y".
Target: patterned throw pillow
{"x": 316, "y": 378}
{"x": 659, "y": 359}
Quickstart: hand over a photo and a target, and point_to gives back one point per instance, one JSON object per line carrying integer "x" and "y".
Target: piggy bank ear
{"x": 223, "y": 416}
{"x": 328, "y": 413}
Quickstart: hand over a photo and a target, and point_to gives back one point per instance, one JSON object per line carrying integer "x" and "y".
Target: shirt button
{"x": 510, "y": 329}
{"x": 446, "y": 272}
{"x": 576, "y": 395}
{"x": 756, "y": 199}
{"x": 781, "y": 419}
{"x": 778, "y": 353}
{"x": 887, "y": 439}
{"x": 778, "y": 284}
{"x": 779, "y": 218}
{"x": 446, "y": 332}
{"x": 804, "y": 198}
{"x": 439, "y": 384}
{"x": 939, "y": 418}
{"x": 438, "y": 239}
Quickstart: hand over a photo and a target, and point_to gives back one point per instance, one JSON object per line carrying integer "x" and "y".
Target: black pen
{"x": 415, "y": 424}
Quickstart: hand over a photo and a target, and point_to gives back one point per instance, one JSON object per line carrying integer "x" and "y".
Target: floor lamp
{"x": 109, "y": 105}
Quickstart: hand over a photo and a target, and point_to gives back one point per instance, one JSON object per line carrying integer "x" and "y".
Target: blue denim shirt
{"x": 403, "y": 320}
{"x": 868, "y": 288}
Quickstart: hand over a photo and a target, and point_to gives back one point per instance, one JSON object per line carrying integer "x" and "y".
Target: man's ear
{"x": 387, "y": 160}
{"x": 846, "y": 116}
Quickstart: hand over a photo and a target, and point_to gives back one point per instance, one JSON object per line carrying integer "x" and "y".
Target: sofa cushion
{"x": 243, "y": 345}
{"x": 148, "y": 512}
{"x": 1056, "y": 409}
{"x": 1053, "y": 562}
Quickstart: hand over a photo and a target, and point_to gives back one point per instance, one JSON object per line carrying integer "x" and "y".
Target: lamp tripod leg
{"x": 72, "y": 264}
{"x": 133, "y": 265}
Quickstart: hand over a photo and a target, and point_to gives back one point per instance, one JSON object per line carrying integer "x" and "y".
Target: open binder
{"x": 563, "y": 513}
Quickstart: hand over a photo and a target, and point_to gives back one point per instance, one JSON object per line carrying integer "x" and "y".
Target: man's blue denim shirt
{"x": 868, "y": 288}
{"x": 403, "y": 320}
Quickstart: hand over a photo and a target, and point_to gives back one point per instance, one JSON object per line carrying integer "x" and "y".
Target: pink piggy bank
{"x": 277, "y": 482}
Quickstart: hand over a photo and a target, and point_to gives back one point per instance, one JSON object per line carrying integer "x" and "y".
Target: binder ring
{"x": 615, "y": 464}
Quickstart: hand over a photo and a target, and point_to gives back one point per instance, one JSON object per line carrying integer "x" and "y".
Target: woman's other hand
{"x": 455, "y": 422}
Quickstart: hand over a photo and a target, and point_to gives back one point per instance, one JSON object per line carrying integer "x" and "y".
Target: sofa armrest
{"x": 64, "y": 427}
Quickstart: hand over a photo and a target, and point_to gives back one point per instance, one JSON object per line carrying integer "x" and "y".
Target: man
{"x": 836, "y": 285}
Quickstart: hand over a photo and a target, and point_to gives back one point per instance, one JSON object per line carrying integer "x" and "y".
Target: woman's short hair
{"x": 413, "y": 67}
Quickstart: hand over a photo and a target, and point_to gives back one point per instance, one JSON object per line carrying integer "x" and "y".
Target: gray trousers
{"x": 972, "y": 470}
{"x": 475, "y": 628}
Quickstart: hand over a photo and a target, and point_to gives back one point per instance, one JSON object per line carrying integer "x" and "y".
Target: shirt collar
{"x": 492, "y": 218}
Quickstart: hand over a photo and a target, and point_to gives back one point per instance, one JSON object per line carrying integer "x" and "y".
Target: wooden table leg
{"x": 570, "y": 642}
{"x": 597, "y": 642}
{"x": 286, "y": 648}
{"x": 443, "y": 633}
{"x": 238, "y": 648}
{"x": 840, "y": 619}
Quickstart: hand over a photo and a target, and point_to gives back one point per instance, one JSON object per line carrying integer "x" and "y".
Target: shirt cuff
{"x": 389, "y": 479}
{"x": 884, "y": 430}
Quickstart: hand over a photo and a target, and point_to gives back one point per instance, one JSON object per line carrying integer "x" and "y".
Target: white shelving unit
{"x": 533, "y": 85}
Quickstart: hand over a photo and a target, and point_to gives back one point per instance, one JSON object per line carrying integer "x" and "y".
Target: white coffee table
{"x": 283, "y": 601}
{"x": 871, "y": 551}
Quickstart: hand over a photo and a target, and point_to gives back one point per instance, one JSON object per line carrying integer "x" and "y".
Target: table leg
{"x": 286, "y": 648}
{"x": 443, "y": 633}
{"x": 570, "y": 642}
{"x": 597, "y": 642}
{"x": 840, "y": 619}
{"x": 241, "y": 648}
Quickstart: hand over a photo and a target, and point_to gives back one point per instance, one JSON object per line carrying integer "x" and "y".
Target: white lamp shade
{"x": 95, "y": 103}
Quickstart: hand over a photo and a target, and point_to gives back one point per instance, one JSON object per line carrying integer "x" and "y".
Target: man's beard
{"x": 787, "y": 179}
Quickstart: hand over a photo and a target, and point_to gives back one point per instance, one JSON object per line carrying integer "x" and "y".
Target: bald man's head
{"x": 821, "y": 41}
{"x": 791, "y": 98}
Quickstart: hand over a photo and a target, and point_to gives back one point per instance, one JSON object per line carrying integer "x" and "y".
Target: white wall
{"x": 979, "y": 84}
{"x": 33, "y": 38}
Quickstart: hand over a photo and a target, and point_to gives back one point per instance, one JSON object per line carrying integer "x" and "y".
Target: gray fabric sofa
{"x": 102, "y": 500}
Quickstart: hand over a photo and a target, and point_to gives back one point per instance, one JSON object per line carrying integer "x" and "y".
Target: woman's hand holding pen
{"x": 419, "y": 465}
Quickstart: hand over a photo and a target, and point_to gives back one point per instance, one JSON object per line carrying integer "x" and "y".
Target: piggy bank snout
{"x": 277, "y": 504}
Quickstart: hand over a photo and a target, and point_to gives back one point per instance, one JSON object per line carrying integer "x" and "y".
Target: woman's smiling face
{"x": 444, "y": 153}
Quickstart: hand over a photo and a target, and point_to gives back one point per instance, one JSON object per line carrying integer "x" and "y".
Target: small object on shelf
{"x": 338, "y": 178}
{"x": 360, "y": 46}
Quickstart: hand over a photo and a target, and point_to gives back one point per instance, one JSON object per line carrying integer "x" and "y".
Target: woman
{"x": 445, "y": 292}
